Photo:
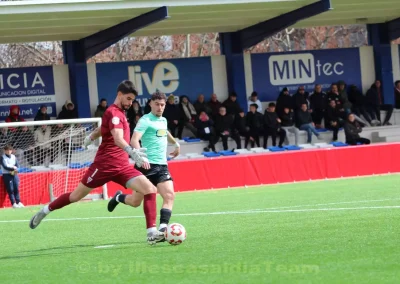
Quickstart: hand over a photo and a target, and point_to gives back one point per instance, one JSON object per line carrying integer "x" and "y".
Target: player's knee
{"x": 169, "y": 195}
{"x": 136, "y": 203}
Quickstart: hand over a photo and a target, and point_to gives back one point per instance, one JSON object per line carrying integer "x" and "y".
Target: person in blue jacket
{"x": 10, "y": 166}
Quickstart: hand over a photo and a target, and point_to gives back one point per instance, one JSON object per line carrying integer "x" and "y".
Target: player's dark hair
{"x": 127, "y": 87}
{"x": 158, "y": 96}
{"x": 8, "y": 147}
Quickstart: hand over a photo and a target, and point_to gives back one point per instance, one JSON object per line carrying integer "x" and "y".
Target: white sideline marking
{"x": 105, "y": 246}
{"x": 220, "y": 213}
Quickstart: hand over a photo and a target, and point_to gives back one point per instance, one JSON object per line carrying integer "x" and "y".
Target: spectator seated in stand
{"x": 301, "y": 97}
{"x": 133, "y": 115}
{"x": 43, "y": 150}
{"x": 272, "y": 126}
{"x": 358, "y": 101}
{"x": 255, "y": 123}
{"x": 68, "y": 111}
{"x": 205, "y": 130}
{"x": 14, "y": 116}
{"x": 187, "y": 116}
{"x": 231, "y": 105}
{"x": 352, "y": 131}
{"x": 240, "y": 124}
{"x": 344, "y": 98}
{"x": 284, "y": 101}
{"x": 334, "y": 119}
{"x": 304, "y": 122}
{"x": 288, "y": 124}
{"x": 376, "y": 103}
{"x": 225, "y": 128}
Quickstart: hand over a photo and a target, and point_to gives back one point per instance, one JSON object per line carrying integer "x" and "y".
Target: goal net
{"x": 51, "y": 157}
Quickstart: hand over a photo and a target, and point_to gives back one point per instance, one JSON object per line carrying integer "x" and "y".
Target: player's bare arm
{"x": 172, "y": 140}
{"x": 136, "y": 145}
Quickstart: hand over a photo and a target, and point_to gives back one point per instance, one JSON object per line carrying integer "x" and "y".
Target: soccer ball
{"x": 175, "y": 234}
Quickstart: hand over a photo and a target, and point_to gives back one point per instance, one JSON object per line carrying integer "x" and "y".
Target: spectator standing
{"x": 14, "y": 116}
{"x": 344, "y": 97}
{"x": 352, "y": 131}
{"x": 68, "y": 111}
{"x": 10, "y": 167}
{"x": 318, "y": 103}
{"x": 133, "y": 114}
{"x": 272, "y": 126}
{"x": 284, "y": 101}
{"x": 358, "y": 101}
{"x": 333, "y": 95}
{"x": 231, "y": 105}
{"x": 376, "y": 103}
{"x": 214, "y": 104}
{"x": 304, "y": 122}
{"x": 42, "y": 114}
{"x": 101, "y": 108}
{"x": 172, "y": 115}
{"x": 44, "y": 149}
{"x": 201, "y": 105}
{"x": 254, "y": 100}
{"x": 301, "y": 97}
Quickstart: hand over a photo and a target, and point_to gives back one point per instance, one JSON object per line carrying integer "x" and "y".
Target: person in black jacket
{"x": 201, "y": 105}
{"x": 352, "y": 130}
{"x": 301, "y": 97}
{"x": 318, "y": 103}
{"x": 42, "y": 114}
{"x": 272, "y": 126}
{"x": 304, "y": 122}
{"x": 376, "y": 103}
{"x": 133, "y": 115}
{"x": 254, "y": 121}
{"x": 240, "y": 124}
{"x": 172, "y": 114}
{"x": 334, "y": 119}
{"x": 287, "y": 124}
{"x": 231, "y": 105}
{"x": 188, "y": 115}
{"x": 358, "y": 101}
{"x": 284, "y": 101}
{"x": 68, "y": 111}
{"x": 334, "y": 95}
{"x": 205, "y": 130}
{"x": 224, "y": 128}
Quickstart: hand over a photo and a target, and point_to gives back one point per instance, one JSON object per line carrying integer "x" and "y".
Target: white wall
{"x": 367, "y": 67}
{"x": 61, "y": 85}
{"x": 92, "y": 82}
{"x": 395, "y": 62}
{"x": 219, "y": 76}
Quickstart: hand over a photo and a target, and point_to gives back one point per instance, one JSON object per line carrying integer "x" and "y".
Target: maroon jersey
{"x": 109, "y": 155}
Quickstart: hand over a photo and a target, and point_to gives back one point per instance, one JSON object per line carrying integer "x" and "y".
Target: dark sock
{"x": 165, "y": 215}
{"x": 121, "y": 198}
{"x": 60, "y": 202}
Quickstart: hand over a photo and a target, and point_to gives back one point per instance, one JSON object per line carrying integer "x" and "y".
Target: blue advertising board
{"x": 29, "y": 88}
{"x": 190, "y": 77}
{"x": 274, "y": 71}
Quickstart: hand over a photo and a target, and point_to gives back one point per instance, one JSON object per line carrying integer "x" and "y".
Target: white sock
{"x": 162, "y": 226}
{"x": 152, "y": 230}
{"x": 116, "y": 198}
{"x": 46, "y": 209}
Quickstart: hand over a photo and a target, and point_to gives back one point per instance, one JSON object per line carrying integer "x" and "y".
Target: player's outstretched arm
{"x": 92, "y": 137}
{"x": 137, "y": 155}
{"x": 172, "y": 140}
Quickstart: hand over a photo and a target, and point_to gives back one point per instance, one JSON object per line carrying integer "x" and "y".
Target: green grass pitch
{"x": 341, "y": 231}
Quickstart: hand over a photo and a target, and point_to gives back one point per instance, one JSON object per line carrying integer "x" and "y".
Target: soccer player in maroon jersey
{"x": 112, "y": 164}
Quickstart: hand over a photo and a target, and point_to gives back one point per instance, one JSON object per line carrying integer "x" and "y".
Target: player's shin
{"x": 150, "y": 211}
{"x": 165, "y": 216}
{"x": 60, "y": 202}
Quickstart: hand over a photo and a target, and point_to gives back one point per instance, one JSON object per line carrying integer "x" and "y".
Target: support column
{"x": 378, "y": 38}
{"x": 74, "y": 56}
{"x": 235, "y": 71}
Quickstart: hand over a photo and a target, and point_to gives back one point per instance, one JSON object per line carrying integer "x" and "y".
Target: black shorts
{"x": 156, "y": 174}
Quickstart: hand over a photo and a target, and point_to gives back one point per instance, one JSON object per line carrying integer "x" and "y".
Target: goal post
{"x": 51, "y": 156}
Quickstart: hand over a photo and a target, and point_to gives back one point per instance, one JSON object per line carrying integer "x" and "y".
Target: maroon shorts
{"x": 97, "y": 176}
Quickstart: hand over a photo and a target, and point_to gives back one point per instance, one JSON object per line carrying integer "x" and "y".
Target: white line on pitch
{"x": 105, "y": 246}
{"x": 220, "y": 213}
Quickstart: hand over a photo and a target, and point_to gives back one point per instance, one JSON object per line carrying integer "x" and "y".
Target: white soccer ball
{"x": 175, "y": 234}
